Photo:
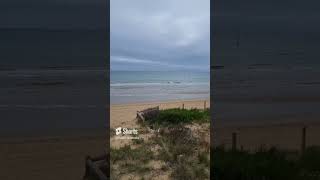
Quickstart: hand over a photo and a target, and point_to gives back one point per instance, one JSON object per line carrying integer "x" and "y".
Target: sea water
{"x": 151, "y": 86}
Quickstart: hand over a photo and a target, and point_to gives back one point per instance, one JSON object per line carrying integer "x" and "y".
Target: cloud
{"x": 146, "y": 64}
{"x": 133, "y": 60}
{"x": 170, "y": 33}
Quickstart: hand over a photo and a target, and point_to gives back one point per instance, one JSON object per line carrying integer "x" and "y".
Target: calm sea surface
{"x": 52, "y": 81}
{"x": 144, "y": 86}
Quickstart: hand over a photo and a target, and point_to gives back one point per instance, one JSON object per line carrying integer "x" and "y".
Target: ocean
{"x": 52, "y": 81}
{"x": 152, "y": 86}
{"x": 266, "y": 93}
{"x": 265, "y": 69}
{"x": 52, "y": 101}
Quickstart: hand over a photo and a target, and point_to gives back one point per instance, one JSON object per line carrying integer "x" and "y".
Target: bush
{"x": 264, "y": 164}
{"x": 180, "y": 116}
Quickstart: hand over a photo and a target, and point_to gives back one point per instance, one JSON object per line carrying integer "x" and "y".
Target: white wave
{"x": 158, "y": 84}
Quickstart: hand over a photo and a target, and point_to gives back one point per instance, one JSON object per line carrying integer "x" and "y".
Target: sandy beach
{"x": 50, "y": 158}
{"x": 125, "y": 114}
{"x": 286, "y": 136}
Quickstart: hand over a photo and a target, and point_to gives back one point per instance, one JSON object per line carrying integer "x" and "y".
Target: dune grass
{"x": 266, "y": 164}
{"x": 183, "y": 154}
{"x": 176, "y": 116}
{"x": 130, "y": 160}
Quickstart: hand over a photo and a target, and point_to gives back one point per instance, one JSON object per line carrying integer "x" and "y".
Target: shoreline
{"x": 159, "y": 102}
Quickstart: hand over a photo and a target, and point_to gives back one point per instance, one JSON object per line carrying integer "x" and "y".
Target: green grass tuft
{"x": 181, "y": 116}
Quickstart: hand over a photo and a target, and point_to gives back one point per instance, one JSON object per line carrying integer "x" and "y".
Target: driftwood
{"x": 148, "y": 113}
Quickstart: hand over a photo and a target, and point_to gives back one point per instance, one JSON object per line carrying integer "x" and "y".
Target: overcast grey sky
{"x": 160, "y": 35}
{"x": 53, "y": 14}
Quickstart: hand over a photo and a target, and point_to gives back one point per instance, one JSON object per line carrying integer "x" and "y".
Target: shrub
{"x": 180, "y": 116}
{"x": 263, "y": 164}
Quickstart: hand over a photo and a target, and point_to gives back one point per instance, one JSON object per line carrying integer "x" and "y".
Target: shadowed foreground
{"x": 48, "y": 158}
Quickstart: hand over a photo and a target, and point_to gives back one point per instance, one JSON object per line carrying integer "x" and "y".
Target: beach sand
{"x": 50, "y": 158}
{"x": 125, "y": 114}
{"x": 286, "y": 136}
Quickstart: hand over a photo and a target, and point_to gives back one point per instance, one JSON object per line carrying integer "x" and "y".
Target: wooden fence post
{"x": 234, "y": 141}
{"x": 204, "y": 105}
{"x": 303, "y": 142}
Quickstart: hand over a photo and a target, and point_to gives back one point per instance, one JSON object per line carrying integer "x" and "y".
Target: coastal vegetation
{"x": 266, "y": 164}
{"x": 176, "y": 116}
{"x": 177, "y": 147}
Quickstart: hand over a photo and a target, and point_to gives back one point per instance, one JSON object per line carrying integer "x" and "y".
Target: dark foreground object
{"x": 266, "y": 164}
{"x": 96, "y": 168}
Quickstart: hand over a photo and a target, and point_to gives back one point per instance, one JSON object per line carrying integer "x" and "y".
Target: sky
{"x": 267, "y": 29}
{"x": 165, "y": 34}
{"x": 160, "y": 35}
{"x": 289, "y": 15}
{"x": 39, "y": 33}
{"x": 53, "y": 14}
